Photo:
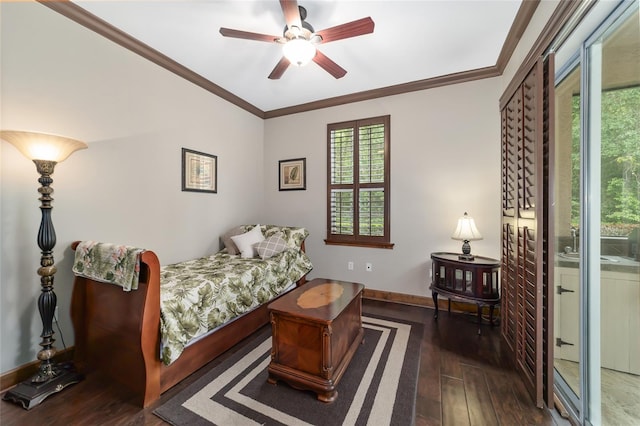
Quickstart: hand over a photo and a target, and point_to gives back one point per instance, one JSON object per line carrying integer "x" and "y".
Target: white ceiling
{"x": 412, "y": 41}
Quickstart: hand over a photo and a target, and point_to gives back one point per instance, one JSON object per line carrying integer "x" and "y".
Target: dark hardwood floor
{"x": 465, "y": 379}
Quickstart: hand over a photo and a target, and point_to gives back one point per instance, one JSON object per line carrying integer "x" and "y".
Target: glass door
{"x": 597, "y": 218}
{"x": 613, "y": 111}
{"x": 567, "y": 231}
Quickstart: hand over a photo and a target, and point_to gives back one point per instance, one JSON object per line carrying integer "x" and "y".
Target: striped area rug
{"x": 378, "y": 388}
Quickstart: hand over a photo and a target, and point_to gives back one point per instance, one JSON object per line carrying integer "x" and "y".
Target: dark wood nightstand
{"x": 474, "y": 281}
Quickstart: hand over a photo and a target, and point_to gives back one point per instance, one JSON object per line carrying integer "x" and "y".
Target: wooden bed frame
{"x": 118, "y": 332}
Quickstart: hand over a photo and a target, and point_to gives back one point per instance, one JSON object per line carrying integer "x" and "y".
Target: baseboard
{"x": 425, "y": 301}
{"x": 406, "y": 299}
{"x": 23, "y": 372}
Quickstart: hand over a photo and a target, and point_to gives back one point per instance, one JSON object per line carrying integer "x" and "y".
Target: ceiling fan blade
{"x": 291, "y": 13}
{"x": 350, "y": 29}
{"x": 329, "y": 66}
{"x": 228, "y": 32}
{"x": 279, "y": 69}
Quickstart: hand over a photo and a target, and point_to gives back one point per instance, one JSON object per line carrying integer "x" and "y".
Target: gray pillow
{"x": 271, "y": 246}
{"x": 228, "y": 242}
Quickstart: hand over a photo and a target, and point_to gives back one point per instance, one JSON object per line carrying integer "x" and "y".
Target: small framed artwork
{"x": 199, "y": 171}
{"x": 293, "y": 174}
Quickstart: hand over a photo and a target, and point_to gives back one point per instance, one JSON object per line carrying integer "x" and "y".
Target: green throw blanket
{"x": 109, "y": 263}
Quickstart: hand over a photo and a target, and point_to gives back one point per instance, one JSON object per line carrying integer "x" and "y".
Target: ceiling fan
{"x": 299, "y": 39}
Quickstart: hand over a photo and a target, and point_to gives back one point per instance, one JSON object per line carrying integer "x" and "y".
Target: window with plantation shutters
{"x": 358, "y": 183}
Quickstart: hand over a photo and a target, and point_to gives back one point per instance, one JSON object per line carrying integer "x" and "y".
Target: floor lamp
{"x": 45, "y": 151}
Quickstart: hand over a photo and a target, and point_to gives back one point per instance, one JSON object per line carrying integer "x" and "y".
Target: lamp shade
{"x": 299, "y": 51}
{"x": 42, "y": 146}
{"x": 466, "y": 229}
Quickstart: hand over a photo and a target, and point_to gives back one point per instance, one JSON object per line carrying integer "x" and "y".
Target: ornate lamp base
{"x": 30, "y": 394}
{"x": 466, "y": 252}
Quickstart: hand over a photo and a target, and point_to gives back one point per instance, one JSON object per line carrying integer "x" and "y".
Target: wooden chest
{"x": 316, "y": 329}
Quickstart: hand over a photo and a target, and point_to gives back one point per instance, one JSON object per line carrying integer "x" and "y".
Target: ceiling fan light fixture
{"x": 299, "y": 39}
{"x": 299, "y": 51}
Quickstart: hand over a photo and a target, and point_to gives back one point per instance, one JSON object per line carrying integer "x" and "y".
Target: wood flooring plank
{"x": 503, "y": 400}
{"x": 428, "y": 412}
{"x": 428, "y": 392}
{"x": 430, "y": 372}
{"x": 528, "y": 410}
{"x": 480, "y": 406}
{"x": 454, "y": 403}
{"x": 450, "y": 364}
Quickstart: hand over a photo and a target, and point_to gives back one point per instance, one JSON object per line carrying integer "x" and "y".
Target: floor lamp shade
{"x": 46, "y": 151}
{"x": 42, "y": 146}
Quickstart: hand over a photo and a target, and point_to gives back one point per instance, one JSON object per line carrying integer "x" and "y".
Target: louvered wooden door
{"x": 511, "y": 131}
{"x": 523, "y": 195}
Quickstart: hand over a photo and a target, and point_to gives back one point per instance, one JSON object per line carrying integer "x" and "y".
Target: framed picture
{"x": 293, "y": 174}
{"x": 199, "y": 171}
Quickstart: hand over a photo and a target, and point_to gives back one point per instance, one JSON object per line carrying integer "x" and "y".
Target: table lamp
{"x": 466, "y": 231}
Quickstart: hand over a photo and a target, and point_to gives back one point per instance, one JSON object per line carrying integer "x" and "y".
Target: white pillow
{"x": 245, "y": 242}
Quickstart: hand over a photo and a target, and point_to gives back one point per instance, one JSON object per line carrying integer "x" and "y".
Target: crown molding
{"x": 399, "y": 89}
{"x": 520, "y": 23}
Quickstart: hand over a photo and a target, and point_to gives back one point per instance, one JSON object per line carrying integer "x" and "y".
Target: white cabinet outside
{"x": 620, "y": 318}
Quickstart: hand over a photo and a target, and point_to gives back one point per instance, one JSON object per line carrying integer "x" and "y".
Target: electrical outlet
{"x": 368, "y": 267}
{"x": 350, "y": 266}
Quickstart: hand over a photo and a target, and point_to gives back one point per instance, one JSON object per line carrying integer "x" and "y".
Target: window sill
{"x": 360, "y": 244}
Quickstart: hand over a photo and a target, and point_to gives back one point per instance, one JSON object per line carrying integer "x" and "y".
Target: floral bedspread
{"x": 199, "y": 295}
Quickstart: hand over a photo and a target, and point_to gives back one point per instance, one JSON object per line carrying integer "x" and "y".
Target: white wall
{"x": 59, "y": 77}
{"x": 445, "y": 160}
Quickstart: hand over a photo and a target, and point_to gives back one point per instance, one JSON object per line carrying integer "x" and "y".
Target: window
{"x": 358, "y": 183}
